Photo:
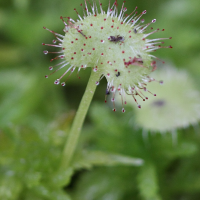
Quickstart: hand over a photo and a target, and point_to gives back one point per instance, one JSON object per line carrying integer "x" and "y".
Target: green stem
{"x": 74, "y": 133}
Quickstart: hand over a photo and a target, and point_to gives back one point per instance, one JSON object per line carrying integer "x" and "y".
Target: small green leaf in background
{"x": 90, "y": 159}
{"x": 148, "y": 183}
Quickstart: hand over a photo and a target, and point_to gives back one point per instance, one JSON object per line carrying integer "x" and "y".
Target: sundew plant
{"x": 114, "y": 45}
{"x": 133, "y": 144}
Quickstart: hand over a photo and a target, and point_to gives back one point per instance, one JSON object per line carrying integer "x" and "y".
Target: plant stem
{"x": 74, "y": 133}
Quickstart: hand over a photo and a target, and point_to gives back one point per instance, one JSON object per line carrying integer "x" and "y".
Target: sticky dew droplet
{"x": 45, "y": 52}
{"x": 123, "y": 110}
{"x": 56, "y": 82}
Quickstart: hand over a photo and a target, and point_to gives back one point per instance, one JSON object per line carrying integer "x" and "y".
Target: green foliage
{"x": 167, "y": 171}
{"x": 29, "y": 160}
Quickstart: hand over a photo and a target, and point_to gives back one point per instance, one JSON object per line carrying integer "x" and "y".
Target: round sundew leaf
{"x": 111, "y": 42}
{"x": 175, "y": 106}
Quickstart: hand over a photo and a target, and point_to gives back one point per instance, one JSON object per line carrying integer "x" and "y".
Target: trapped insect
{"x": 116, "y": 39}
{"x": 118, "y": 74}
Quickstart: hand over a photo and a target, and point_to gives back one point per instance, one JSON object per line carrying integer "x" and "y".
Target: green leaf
{"x": 10, "y": 187}
{"x": 46, "y": 193}
{"x": 184, "y": 149}
{"x": 147, "y": 183}
{"x": 62, "y": 178}
{"x": 97, "y": 158}
{"x": 32, "y": 179}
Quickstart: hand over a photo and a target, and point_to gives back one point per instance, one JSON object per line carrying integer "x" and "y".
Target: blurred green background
{"x": 35, "y": 114}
